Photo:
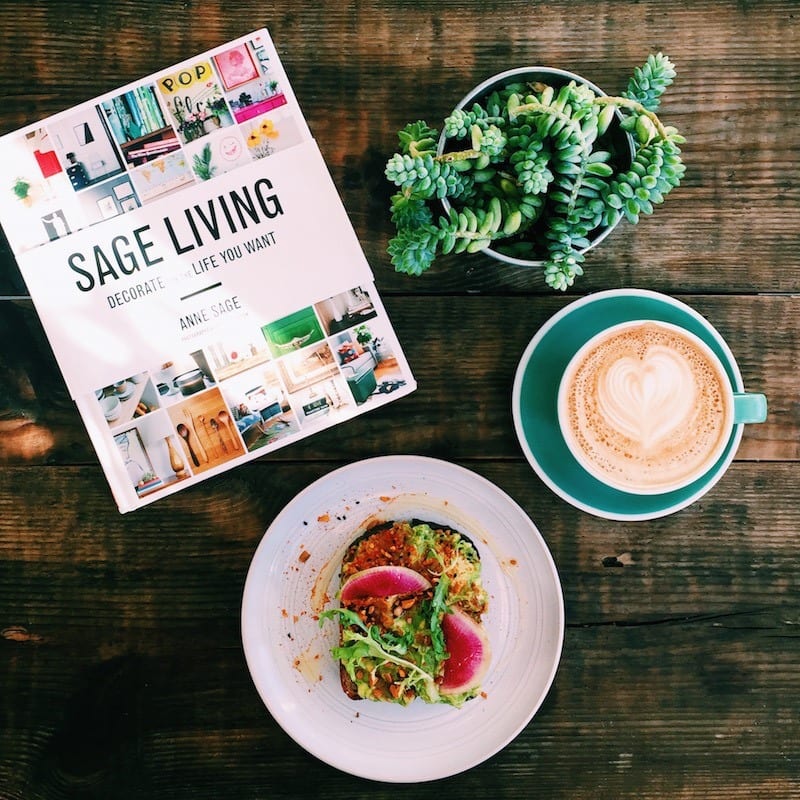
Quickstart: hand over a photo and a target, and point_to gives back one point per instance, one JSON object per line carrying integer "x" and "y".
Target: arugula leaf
{"x": 347, "y": 616}
{"x": 439, "y": 607}
{"x": 371, "y": 643}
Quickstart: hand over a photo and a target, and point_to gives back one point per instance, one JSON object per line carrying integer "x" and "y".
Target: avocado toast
{"x": 410, "y": 606}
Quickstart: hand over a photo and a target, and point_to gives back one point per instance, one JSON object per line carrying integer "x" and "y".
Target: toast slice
{"x": 404, "y": 586}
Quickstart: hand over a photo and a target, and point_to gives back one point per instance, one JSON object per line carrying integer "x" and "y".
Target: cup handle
{"x": 749, "y": 407}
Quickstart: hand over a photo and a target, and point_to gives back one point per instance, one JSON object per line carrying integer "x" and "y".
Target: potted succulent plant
{"x": 534, "y": 167}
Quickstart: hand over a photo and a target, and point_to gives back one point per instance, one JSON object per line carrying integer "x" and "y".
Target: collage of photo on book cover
{"x": 109, "y": 158}
{"x": 310, "y": 369}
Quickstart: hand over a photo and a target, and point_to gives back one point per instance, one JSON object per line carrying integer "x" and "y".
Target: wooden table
{"x": 121, "y": 664}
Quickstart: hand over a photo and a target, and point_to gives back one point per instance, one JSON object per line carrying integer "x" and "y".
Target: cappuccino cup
{"x": 646, "y": 407}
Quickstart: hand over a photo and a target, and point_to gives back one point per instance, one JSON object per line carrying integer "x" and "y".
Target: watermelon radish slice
{"x": 383, "y": 581}
{"x": 468, "y": 646}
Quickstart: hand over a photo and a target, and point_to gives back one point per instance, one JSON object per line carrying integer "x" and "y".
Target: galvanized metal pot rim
{"x": 508, "y": 76}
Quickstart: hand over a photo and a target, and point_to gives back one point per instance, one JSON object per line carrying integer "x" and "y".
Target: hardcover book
{"x": 195, "y": 271}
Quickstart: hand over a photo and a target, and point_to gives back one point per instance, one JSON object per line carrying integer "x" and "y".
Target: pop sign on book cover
{"x": 195, "y": 271}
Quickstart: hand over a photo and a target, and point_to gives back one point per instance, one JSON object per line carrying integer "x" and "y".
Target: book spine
{"x": 146, "y": 102}
{"x": 144, "y": 112}
{"x": 133, "y": 109}
{"x": 114, "y": 123}
{"x": 158, "y": 114}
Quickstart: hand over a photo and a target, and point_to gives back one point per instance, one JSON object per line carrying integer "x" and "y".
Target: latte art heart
{"x": 646, "y": 399}
{"x": 645, "y": 407}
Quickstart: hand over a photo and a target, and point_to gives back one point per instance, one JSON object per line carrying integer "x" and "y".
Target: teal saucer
{"x": 536, "y": 390}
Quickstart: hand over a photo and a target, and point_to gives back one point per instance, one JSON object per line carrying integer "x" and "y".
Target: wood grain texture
{"x": 121, "y": 664}
{"x": 464, "y": 352}
{"x": 732, "y": 227}
{"x": 677, "y": 678}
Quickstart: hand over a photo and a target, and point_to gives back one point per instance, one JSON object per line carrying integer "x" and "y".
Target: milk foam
{"x": 647, "y": 408}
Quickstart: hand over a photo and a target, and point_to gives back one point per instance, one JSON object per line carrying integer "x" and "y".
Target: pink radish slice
{"x": 468, "y": 646}
{"x": 383, "y": 581}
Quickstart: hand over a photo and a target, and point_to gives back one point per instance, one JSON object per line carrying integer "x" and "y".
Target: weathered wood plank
{"x": 464, "y": 352}
{"x": 677, "y": 678}
{"x": 732, "y": 227}
{"x": 681, "y": 566}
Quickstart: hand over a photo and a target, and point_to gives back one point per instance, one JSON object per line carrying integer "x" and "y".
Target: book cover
{"x": 195, "y": 271}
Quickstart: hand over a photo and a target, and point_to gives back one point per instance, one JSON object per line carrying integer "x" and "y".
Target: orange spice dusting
{"x": 513, "y": 562}
{"x": 304, "y": 556}
{"x": 284, "y": 612}
{"x": 324, "y": 518}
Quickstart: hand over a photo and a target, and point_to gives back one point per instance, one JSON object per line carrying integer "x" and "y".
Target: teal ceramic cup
{"x": 536, "y": 392}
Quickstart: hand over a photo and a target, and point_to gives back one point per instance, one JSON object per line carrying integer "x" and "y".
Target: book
{"x": 204, "y": 293}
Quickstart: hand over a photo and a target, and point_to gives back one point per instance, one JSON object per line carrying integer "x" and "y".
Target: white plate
{"x": 294, "y": 575}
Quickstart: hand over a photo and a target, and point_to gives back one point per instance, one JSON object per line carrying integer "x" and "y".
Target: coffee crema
{"x": 645, "y": 408}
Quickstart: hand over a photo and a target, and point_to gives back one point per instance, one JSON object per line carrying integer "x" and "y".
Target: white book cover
{"x": 195, "y": 271}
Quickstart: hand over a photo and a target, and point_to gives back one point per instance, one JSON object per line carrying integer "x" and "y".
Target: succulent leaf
{"x": 650, "y": 80}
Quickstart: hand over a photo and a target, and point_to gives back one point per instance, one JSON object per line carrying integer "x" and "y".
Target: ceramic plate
{"x": 294, "y": 575}
{"x": 535, "y": 393}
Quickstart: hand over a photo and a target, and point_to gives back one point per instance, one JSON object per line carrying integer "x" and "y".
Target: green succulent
{"x": 531, "y": 172}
